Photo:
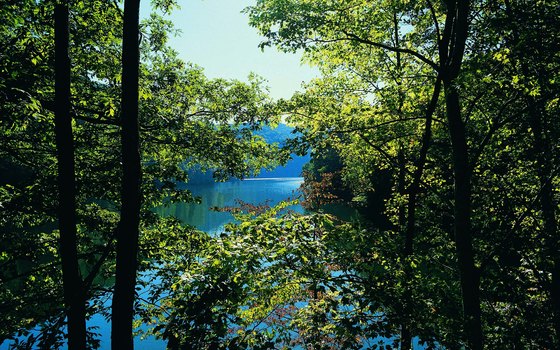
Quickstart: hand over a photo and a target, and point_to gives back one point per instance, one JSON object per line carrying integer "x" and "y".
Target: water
{"x": 216, "y": 195}
{"x": 219, "y": 195}
{"x": 253, "y": 191}
{"x": 225, "y": 194}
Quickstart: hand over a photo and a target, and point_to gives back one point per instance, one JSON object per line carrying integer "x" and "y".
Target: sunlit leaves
{"x": 273, "y": 274}
{"x": 186, "y": 119}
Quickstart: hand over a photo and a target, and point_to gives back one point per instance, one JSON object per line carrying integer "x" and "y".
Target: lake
{"x": 221, "y": 194}
{"x": 256, "y": 191}
{"x": 225, "y": 194}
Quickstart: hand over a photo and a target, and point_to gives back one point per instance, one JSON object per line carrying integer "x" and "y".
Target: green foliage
{"x": 271, "y": 281}
{"x": 186, "y": 120}
{"x": 283, "y": 281}
{"x": 379, "y": 61}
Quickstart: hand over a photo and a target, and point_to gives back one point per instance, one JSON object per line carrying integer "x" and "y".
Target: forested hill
{"x": 278, "y": 135}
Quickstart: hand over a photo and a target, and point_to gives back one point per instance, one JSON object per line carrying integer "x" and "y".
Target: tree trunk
{"x": 128, "y": 230}
{"x": 71, "y": 278}
{"x": 462, "y": 225}
{"x": 451, "y": 52}
{"x": 406, "y": 335}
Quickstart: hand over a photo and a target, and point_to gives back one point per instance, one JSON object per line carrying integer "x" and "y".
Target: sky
{"x": 216, "y": 36}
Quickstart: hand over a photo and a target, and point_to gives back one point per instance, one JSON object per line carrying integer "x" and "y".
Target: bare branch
{"x": 434, "y": 18}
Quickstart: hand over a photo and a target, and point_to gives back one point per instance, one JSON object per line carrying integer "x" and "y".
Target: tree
{"x": 539, "y": 118}
{"x": 128, "y": 230}
{"x": 74, "y": 295}
{"x": 451, "y": 52}
{"x": 499, "y": 102}
{"x": 338, "y": 33}
{"x": 182, "y": 113}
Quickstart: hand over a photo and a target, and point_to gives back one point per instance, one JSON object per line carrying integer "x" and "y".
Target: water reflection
{"x": 225, "y": 194}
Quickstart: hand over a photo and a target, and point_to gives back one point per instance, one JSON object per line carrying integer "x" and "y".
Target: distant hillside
{"x": 279, "y": 134}
{"x": 292, "y": 169}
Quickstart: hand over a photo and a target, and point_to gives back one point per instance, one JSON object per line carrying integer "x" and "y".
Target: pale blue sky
{"x": 217, "y": 36}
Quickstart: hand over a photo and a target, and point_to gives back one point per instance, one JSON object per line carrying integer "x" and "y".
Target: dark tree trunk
{"x": 462, "y": 225}
{"x": 553, "y": 247}
{"x": 451, "y": 53}
{"x": 128, "y": 230}
{"x": 406, "y": 335}
{"x": 71, "y": 278}
{"x": 406, "y": 314}
{"x": 417, "y": 176}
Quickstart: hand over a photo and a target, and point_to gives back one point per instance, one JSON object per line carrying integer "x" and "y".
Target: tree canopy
{"x": 437, "y": 121}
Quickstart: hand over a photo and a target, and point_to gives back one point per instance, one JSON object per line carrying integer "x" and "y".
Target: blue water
{"x": 268, "y": 191}
{"x": 254, "y": 191}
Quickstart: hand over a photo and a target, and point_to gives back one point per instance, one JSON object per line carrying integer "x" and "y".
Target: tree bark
{"x": 74, "y": 296}
{"x": 128, "y": 229}
{"x": 462, "y": 225}
{"x": 406, "y": 335}
{"x": 410, "y": 230}
{"x": 451, "y": 52}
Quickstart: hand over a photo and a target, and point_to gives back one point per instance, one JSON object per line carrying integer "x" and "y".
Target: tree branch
{"x": 434, "y": 18}
{"x": 352, "y": 36}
